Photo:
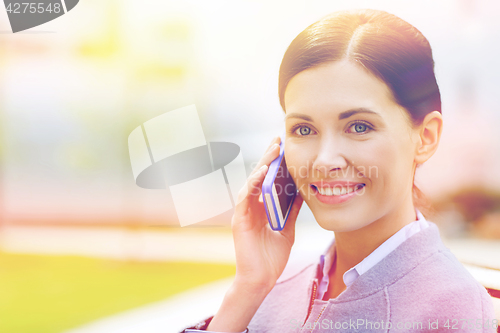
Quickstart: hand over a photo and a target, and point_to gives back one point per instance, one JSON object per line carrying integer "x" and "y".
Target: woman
{"x": 363, "y": 111}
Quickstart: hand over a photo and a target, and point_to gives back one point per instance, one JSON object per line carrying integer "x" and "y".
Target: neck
{"x": 353, "y": 246}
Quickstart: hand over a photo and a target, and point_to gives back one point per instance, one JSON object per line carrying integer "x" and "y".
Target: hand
{"x": 261, "y": 253}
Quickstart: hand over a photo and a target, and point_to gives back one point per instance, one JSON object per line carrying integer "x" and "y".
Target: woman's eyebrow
{"x": 343, "y": 115}
{"x": 348, "y": 113}
{"x": 298, "y": 115}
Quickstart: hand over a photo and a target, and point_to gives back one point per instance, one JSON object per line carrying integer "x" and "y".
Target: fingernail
{"x": 262, "y": 168}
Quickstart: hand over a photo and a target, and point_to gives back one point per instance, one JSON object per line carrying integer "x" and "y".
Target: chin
{"x": 340, "y": 221}
{"x": 337, "y": 225}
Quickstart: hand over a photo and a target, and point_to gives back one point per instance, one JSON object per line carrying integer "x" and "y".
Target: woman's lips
{"x": 335, "y": 183}
{"x": 336, "y": 192}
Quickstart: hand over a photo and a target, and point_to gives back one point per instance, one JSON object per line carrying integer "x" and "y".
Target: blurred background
{"x": 83, "y": 249}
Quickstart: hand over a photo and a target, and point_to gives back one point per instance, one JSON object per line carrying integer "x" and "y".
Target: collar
{"x": 350, "y": 276}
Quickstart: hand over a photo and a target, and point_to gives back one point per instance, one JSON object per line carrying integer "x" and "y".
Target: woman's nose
{"x": 330, "y": 157}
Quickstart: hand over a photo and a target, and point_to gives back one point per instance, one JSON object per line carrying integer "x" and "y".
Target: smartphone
{"x": 278, "y": 191}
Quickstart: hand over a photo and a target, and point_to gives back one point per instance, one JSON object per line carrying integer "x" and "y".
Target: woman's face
{"x": 348, "y": 139}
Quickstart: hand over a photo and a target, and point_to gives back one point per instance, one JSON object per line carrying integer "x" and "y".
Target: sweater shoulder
{"x": 445, "y": 286}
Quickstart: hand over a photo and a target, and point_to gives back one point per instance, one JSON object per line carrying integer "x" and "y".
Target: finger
{"x": 270, "y": 155}
{"x": 250, "y": 191}
{"x": 275, "y": 140}
{"x": 256, "y": 178}
{"x": 255, "y": 184}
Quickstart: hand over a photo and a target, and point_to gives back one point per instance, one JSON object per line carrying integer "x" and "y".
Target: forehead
{"x": 336, "y": 87}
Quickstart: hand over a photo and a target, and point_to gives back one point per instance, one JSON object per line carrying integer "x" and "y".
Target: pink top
{"x": 326, "y": 261}
{"x": 417, "y": 281}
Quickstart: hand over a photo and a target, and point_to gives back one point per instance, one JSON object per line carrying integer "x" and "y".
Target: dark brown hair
{"x": 387, "y": 46}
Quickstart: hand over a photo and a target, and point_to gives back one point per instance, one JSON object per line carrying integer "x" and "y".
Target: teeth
{"x": 338, "y": 190}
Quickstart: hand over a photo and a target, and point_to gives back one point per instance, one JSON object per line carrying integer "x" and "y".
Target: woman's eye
{"x": 359, "y": 128}
{"x": 303, "y": 130}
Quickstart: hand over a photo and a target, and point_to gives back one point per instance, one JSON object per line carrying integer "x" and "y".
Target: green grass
{"x": 49, "y": 294}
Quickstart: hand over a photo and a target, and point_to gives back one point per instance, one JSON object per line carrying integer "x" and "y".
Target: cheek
{"x": 299, "y": 160}
{"x": 387, "y": 163}
{"x": 376, "y": 159}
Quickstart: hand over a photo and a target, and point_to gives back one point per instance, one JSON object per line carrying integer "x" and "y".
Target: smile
{"x": 337, "y": 190}
{"x": 336, "y": 194}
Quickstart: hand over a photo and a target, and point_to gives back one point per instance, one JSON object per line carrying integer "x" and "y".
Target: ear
{"x": 429, "y": 134}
